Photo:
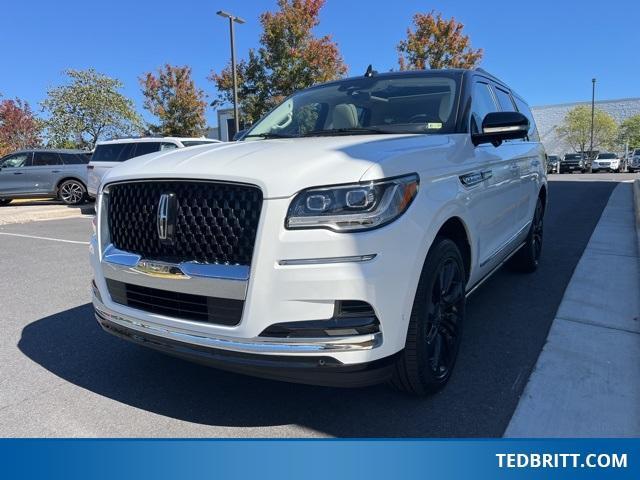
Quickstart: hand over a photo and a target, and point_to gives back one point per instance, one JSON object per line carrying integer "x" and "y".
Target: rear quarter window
{"x": 75, "y": 158}
{"x": 143, "y": 148}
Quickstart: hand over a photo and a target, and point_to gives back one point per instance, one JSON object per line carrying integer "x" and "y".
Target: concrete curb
{"x": 586, "y": 381}
{"x": 636, "y": 201}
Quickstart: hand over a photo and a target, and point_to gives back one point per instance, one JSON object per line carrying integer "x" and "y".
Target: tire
{"x": 527, "y": 259}
{"x": 435, "y": 326}
{"x": 72, "y": 192}
{"x": 5, "y": 201}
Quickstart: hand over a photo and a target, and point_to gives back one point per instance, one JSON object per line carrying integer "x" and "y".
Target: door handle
{"x": 56, "y": 171}
{"x": 17, "y": 173}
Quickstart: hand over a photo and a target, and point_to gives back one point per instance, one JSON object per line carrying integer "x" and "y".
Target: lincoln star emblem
{"x": 167, "y": 209}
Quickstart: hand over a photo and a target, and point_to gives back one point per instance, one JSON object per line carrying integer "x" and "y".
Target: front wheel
{"x": 527, "y": 258}
{"x": 72, "y": 192}
{"x": 435, "y": 326}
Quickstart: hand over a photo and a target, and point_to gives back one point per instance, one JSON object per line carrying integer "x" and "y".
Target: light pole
{"x": 593, "y": 101}
{"x": 233, "y": 19}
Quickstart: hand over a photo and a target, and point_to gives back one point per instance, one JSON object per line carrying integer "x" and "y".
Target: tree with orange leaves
{"x": 172, "y": 96}
{"x": 436, "y": 43}
{"x": 290, "y": 58}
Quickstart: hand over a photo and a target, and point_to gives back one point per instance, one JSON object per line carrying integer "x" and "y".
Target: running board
{"x": 493, "y": 270}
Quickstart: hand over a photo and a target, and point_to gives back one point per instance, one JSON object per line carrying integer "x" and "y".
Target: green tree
{"x": 172, "y": 96}
{"x": 289, "y": 58}
{"x": 630, "y": 132}
{"x": 576, "y": 129}
{"x": 435, "y": 43}
{"x": 87, "y": 109}
{"x": 19, "y": 127}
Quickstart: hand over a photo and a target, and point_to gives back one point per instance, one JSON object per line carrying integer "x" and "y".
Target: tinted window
{"x": 15, "y": 161}
{"x": 573, "y": 156}
{"x": 74, "y": 158}
{"x": 193, "y": 143}
{"x": 41, "y": 159}
{"x": 481, "y": 103}
{"x": 607, "y": 156}
{"x": 524, "y": 109}
{"x": 504, "y": 99}
{"x": 113, "y": 152}
{"x": 143, "y": 148}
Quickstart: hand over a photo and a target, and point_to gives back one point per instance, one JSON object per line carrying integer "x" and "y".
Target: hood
{"x": 281, "y": 167}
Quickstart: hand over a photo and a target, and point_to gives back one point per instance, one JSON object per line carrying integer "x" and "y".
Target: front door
{"x": 496, "y": 201}
{"x": 14, "y": 174}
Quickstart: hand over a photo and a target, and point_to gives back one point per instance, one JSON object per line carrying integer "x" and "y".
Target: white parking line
{"x": 43, "y": 238}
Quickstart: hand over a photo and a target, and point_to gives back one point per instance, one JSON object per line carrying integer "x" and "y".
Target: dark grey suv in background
{"x": 41, "y": 173}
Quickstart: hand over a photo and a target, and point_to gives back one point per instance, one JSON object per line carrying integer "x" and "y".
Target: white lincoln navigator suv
{"x": 335, "y": 244}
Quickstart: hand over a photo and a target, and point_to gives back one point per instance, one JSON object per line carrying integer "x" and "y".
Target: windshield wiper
{"x": 345, "y": 131}
{"x": 271, "y": 135}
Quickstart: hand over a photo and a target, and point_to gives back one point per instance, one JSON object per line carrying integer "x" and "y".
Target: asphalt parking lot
{"x": 60, "y": 375}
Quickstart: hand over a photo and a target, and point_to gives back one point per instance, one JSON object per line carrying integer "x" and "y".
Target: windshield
{"x": 573, "y": 156}
{"x": 553, "y": 158}
{"x": 400, "y": 104}
{"x": 607, "y": 156}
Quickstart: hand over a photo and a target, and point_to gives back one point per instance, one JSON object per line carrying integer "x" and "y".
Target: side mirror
{"x": 500, "y": 126}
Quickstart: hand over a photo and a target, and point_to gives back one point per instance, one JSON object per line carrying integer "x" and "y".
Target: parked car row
{"x": 73, "y": 176}
{"x": 603, "y": 162}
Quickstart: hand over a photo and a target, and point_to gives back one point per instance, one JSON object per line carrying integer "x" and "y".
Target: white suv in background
{"x": 111, "y": 153}
{"x": 634, "y": 161}
{"x": 336, "y": 243}
{"x": 607, "y": 161}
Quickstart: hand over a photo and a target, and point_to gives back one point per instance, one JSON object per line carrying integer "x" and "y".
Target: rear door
{"x": 12, "y": 173}
{"x": 44, "y": 172}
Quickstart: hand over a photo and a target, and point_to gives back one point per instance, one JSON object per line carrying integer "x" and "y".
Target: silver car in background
{"x": 44, "y": 173}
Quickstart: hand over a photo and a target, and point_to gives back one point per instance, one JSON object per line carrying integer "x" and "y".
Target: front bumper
{"x": 298, "y": 361}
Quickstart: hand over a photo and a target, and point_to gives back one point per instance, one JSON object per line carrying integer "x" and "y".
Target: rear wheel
{"x": 528, "y": 257}
{"x": 435, "y": 326}
{"x": 4, "y": 201}
{"x": 72, "y": 192}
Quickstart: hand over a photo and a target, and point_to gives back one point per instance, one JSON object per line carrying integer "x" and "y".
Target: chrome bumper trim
{"x": 211, "y": 280}
{"x": 270, "y": 346}
{"x": 320, "y": 261}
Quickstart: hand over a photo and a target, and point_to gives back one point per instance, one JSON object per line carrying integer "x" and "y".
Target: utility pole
{"x": 233, "y": 19}
{"x": 593, "y": 101}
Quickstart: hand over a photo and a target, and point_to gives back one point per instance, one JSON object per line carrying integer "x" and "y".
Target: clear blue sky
{"x": 546, "y": 50}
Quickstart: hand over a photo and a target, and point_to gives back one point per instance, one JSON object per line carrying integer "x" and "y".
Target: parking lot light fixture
{"x": 593, "y": 101}
{"x": 233, "y": 19}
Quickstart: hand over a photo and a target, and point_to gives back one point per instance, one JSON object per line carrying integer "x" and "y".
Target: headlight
{"x": 354, "y": 207}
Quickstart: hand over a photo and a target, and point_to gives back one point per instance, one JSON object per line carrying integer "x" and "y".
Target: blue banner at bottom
{"x": 319, "y": 459}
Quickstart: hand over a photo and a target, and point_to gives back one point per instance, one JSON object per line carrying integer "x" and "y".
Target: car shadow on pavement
{"x": 506, "y": 327}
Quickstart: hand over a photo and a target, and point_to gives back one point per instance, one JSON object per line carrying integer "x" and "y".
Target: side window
{"x": 524, "y": 109}
{"x": 16, "y": 161}
{"x": 173, "y": 146}
{"x": 143, "y": 148}
{"x": 504, "y": 99}
{"x": 72, "y": 158}
{"x": 43, "y": 159}
{"x": 482, "y": 102}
